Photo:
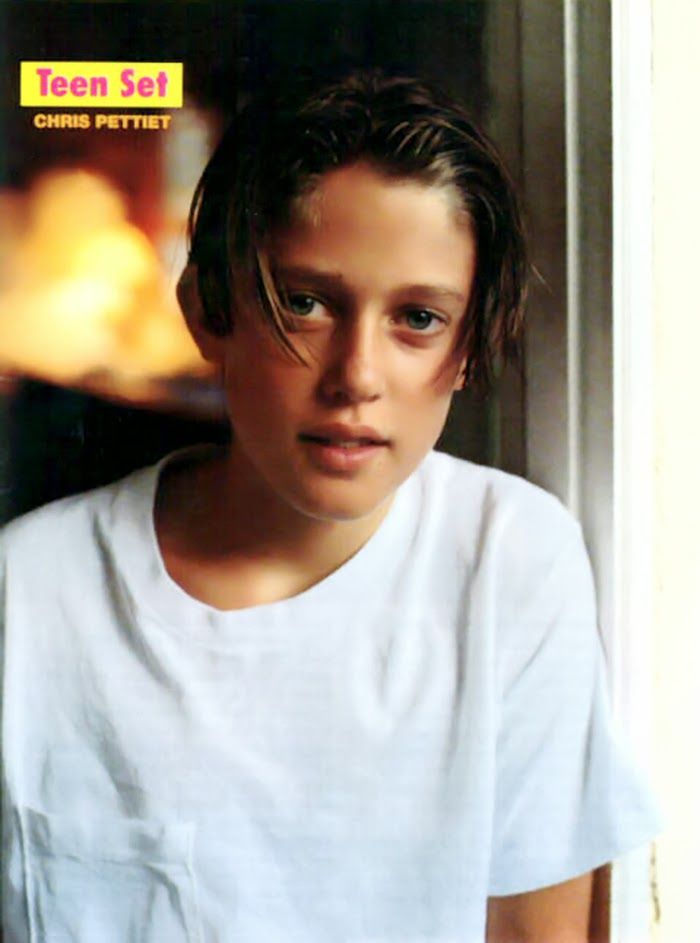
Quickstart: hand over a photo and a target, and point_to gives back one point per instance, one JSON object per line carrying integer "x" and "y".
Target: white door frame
{"x": 589, "y": 360}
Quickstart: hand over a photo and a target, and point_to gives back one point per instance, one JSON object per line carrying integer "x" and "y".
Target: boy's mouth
{"x": 340, "y": 436}
{"x": 340, "y": 443}
{"x": 336, "y": 448}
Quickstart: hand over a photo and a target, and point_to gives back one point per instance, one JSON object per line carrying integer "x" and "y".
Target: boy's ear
{"x": 210, "y": 346}
{"x": 461, "y": 378}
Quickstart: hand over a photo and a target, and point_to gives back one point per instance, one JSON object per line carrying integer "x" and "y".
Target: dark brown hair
{"x": 281, "y": 143}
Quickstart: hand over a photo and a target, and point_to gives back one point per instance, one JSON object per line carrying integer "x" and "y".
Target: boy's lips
{"x": 337, "y": 447}
{"x": 341, "y": 435}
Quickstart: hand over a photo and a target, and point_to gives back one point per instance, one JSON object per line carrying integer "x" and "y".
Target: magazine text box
{"x": 101, "y": 84}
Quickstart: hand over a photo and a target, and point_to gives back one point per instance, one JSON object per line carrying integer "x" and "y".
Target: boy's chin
{"x": 344, "y": 508}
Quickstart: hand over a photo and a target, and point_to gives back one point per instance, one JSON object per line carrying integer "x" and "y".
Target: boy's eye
{"x": 304, "y": 305}
{"x": 418, "y": 319}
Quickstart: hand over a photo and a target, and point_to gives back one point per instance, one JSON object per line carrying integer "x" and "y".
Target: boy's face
{"x": 377, "y": 274}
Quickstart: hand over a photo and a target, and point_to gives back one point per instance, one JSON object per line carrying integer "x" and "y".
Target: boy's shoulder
{"x": 486, "y": 518}
{"x": 68, "y": 523}
{"x": 494, "y": 498}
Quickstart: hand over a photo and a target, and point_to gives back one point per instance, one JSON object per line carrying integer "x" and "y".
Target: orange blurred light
{"x": 82, "y": 291}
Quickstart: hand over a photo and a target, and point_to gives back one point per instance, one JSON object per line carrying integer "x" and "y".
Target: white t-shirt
{"x": 367, "y": 761}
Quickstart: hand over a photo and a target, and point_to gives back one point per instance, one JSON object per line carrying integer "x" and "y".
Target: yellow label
{"x": 102, "y": 84}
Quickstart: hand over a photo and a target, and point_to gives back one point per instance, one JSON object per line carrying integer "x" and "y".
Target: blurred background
{"x": 97, "y": 373}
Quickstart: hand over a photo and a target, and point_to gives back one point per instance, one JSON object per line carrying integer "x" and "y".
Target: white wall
{"x": 676, "y": 294}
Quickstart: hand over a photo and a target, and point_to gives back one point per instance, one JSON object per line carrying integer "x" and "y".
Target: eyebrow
{"x": 335, "y": 282}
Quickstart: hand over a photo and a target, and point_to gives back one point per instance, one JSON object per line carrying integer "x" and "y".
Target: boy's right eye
{"x": 305, "y": 307}
{"x": 301, "y": 304}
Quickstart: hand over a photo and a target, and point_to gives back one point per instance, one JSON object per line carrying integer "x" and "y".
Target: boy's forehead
{"x": 345, "y": 185}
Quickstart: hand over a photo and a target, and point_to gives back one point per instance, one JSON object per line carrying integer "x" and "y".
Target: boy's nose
{"x": 353, "y": 370}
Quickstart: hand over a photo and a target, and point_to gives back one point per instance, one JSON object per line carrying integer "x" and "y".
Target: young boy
{"x": 325, "y": 685}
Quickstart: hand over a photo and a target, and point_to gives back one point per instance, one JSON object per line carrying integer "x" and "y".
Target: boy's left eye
{"x": 418, "y": 319}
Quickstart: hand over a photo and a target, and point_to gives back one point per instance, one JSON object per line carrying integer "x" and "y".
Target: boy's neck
{"x": 231, "y": 543}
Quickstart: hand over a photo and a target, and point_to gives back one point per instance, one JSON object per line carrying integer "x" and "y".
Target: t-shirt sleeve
{"x": 567, "y": 798}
